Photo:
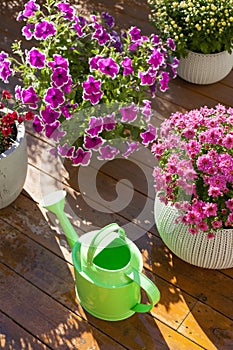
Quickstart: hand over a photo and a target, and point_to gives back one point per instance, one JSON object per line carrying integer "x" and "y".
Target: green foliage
{"x": 204, "y": 26}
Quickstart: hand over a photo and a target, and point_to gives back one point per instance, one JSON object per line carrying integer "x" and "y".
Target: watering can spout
{"x": 55, "y": 202}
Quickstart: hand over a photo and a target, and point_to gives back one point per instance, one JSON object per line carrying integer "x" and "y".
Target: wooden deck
{"x": 38, "y": 306}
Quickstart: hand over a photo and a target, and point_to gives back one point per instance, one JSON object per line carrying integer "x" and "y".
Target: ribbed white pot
{"x": 212, "y": 253}
{"x": 203, "y": 69}
{"x": 13, "y": 168}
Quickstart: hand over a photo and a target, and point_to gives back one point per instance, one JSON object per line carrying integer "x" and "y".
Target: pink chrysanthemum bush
{"x": 75, "y": 64}
{"x": 195, "y": 167}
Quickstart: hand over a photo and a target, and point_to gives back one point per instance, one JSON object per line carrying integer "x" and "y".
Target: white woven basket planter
{"x": 13, "y": 169}
{"x": 204, "y": 69}
{"x": 212, "y": 253}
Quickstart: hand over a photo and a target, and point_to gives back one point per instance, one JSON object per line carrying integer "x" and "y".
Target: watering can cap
{"x": 53, "y": 198}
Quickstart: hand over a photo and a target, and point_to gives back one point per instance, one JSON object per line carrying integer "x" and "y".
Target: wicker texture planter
{"x": 13, "y": 169}
{"x": 204, "y": 69}
{"x": 213, "y": 253}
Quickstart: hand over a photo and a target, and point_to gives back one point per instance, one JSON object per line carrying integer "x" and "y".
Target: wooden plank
{"x": 209, "y": 286}
{"x": 213, "y": 330}
{"x": 51, "y": 275}
{"x": 156, "y": 251}
{"x": 179, "y": 94}
{"x": 217, "y": 91}
{"x": 55, "y": 277}
{"x": 181, "y": 273}
{"x": 228, "y": 80}
{"x": 12, "y": 336}
{"x": 126, "y": 14}
{"x": 44, "y": 317}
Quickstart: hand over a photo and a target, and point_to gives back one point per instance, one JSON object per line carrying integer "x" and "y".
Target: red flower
{"x": 8, "y": 119}
{"x": 6, "y": 95}
{"x": 6, "y": 131}
{"x": 20, "y": 119}
{"x": 29, "y": 115}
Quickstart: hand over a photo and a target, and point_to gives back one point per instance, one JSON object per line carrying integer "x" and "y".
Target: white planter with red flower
{"x": 13, "y": 168}
{"x": 13, "y": 150}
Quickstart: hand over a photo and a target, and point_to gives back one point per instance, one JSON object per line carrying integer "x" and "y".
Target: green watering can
{"x": 107, "y": 268}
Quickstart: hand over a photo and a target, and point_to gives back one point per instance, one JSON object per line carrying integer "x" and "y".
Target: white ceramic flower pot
{"x": 13, "y": 169}
{"x": 204, "y": 69}
{"x": 212, "y": 253}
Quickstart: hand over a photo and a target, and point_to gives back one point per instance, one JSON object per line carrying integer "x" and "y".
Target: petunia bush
{"x": 195, "y": 167}
{"x": 74, "y": 65}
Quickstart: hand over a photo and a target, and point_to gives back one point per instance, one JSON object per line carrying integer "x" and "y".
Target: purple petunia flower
{"x": 134, "y": 46}
{"x": 5, "y": 71}
{"x": 109, "y": 122}
{"x": 3, "y": 56}
{"x": 148, "y": 77}
{"x": 49, "y": 115}
{"x": 59, "y": 62}
{"x": 129, "y": 113}
{"x": 82, "y": 21}
{"x": 91, "y": 85}
{"x": 53, "y": 131}
{"x": 30, "y": 8}
{"x": 67, "y": 10}
{"x": 127, "y": 64}
{"x": 116, "y": 41}
{"x": 28, "y": 31}
{"x": 66, "y": 150}
{"x": 171, "y": 44}
{"x": 92, "y": 90}
{"x": 135, "y": 33}
{"x": 36, "y": 58}
{"x": 131, "y": 147}
{"x": 93, "y": 62}
{"x": 67, "y": 87}
{"x": 54, "y": 97}
{"x": 93, "y": 143}
{"x": 95, "y": 126}
{"x": 149, "y": 135}
{"x": 94, "y": 98}
{"x": 20, "y": 16}
{"x": 109, "y": 20}
{"x": 37, "y": 125}
{"x": 101, "y": 35}
{"x": 65, "y": 110}
{"x": 81, "y": 157}
{"x": 156, "y": 58}
{"x": 60, "y": 77}
{"x": 174, "y": 65}
{"x": 18, "y": 92}
{"x": 164, "y": 81}
{"x": 146, "y": 110}
{"x": 30, "y": 97}
{"x": 108, "y": 66}
{"x": 155, "y": 39}
{"x": 78, "y": 27}
{"x": 44, "y": 29}
{"x": 108, "y": 152}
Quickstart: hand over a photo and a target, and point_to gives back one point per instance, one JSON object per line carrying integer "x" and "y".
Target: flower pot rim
{"x": 207, "y": 54}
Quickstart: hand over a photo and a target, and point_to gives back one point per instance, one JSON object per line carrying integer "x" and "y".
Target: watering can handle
{"x": 100, "y": 236}
{"x": 148, "y": 286}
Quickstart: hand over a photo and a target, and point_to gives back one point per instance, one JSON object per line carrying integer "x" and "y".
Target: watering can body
{"x": 108, "y": 273}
